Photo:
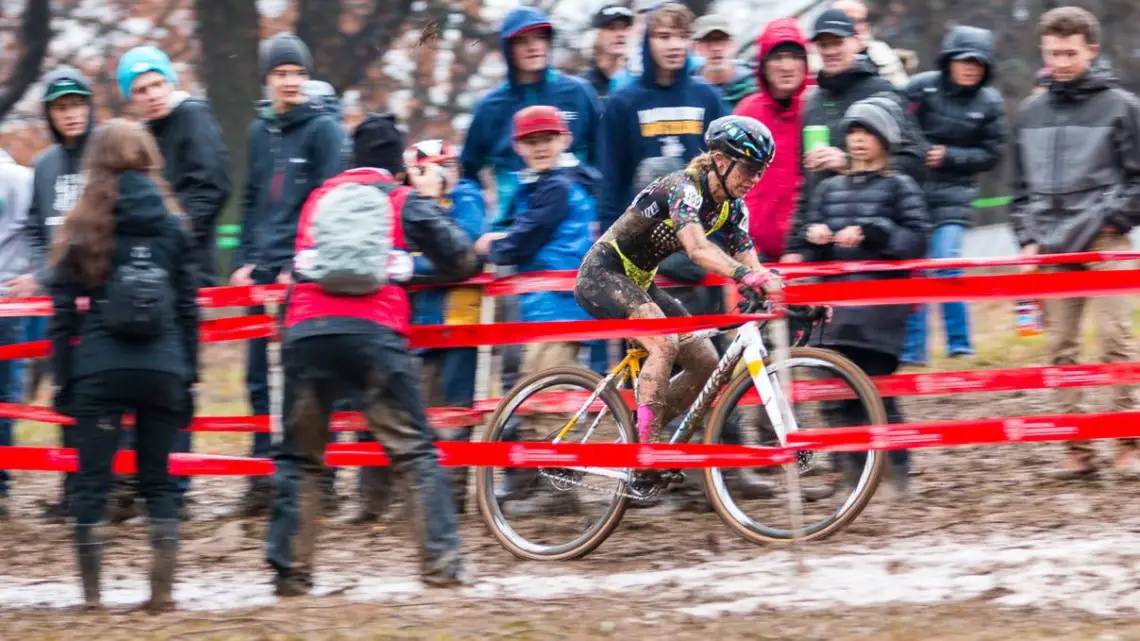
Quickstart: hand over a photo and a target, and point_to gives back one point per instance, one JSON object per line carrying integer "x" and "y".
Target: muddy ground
{"x": 984, "y": 547}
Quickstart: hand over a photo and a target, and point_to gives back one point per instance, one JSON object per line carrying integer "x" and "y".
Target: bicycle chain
{"x": 666, "y": 479}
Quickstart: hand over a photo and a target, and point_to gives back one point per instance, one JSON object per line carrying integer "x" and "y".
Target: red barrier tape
{"x": 452, "y": 454}
{"x": 808, "y": 391}
{"x": 1021, "y": 429}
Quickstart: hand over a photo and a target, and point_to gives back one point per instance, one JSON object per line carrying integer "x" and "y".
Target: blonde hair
{"x": 702, "y": 164}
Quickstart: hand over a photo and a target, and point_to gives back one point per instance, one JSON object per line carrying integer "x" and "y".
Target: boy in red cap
{"x": 552, "y": 224}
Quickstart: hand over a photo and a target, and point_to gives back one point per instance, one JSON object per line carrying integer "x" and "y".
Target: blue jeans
{"x": 257, "y": 373}
{"x": 318, "y": 371}
{"x": 946, "y": 242}
{"x": 11, "y": 331}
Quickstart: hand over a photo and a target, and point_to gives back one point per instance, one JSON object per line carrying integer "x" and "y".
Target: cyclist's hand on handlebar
{"x": 762, "y": 280}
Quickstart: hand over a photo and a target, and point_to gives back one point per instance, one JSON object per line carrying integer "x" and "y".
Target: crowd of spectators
{"x": 549, "y": 162}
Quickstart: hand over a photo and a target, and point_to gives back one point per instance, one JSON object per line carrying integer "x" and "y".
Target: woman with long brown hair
{"x": 124, "y": 338}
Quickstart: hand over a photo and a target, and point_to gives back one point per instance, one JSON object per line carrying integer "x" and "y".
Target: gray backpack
{"x": 351, "y": 239}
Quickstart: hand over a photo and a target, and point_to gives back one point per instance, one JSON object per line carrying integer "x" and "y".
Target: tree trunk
{"x": 35, "y": 35}
{"x": 340, "y": 58}
{"x": 229, "y": 33}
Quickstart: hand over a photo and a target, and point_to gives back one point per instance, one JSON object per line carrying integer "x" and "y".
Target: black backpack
{"x": 138, "y": 297}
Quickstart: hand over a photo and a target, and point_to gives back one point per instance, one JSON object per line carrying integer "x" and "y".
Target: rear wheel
{"x": 542, "y": 514}
{"x": 835, "y": 487}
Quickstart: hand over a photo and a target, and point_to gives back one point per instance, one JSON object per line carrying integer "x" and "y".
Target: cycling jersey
{"x": 646, "y": 233}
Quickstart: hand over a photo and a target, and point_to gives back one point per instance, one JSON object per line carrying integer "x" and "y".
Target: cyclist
{"x": 679, "y": 211}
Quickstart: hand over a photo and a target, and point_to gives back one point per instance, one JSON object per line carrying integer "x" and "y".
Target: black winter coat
{"x": 891, "y": 211}
{"x": 141, "y": 218}
{"x": 197, "y": 166}
{"x": 970, "y": 122}
{"x": 828, "y": 105}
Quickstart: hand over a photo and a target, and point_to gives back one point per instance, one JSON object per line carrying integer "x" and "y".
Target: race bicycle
{"x": 737, "y": 417}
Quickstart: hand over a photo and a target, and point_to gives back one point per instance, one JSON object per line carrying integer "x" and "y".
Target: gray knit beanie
{"x": 874, "y": 117}
{"x": 285, "y": 49}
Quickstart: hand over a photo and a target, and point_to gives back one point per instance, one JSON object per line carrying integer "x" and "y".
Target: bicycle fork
{"x": 767, "y": 384}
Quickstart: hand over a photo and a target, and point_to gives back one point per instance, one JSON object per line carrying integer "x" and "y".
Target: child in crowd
{"x": 868, "y": 212}
{"x": 448, "y": 374}
{"x": 553, "y": 223}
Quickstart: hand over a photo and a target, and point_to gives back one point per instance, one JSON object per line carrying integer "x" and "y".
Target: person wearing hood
{"x": 664, "y": 113}
{"x": 713, "y": 41}
{"x": 113, "y": 351}
{"x": 15, "y": 199}
{"x": 869, "y": 212}
{"x": 56, "y": 183}
{"x": 963, "y": 119}
{"x": 294, "y": 146}
{"x": 847, "y": 78}
{"x": 194, "y": 161}
{"x": 1076, "y": 188}
{"x": 526, "y": 38}
{"x": 781, "y": 75}
{"x": 612, "y": 24}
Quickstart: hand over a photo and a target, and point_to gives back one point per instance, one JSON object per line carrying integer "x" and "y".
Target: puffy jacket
{"x": 141, "y": 218}
{"x": 772, "y": 203}
{"x": 1071, "y": 179}
{"x": 468, "y": 211}
{"x": 891, "y": 211}
{"x": 969, "y": 121}
{"x": 553, "y": 225}
{"x": 423, "y": 226}
{"x": 827, "y": 106}
{"x": 197, "y": 166}
{"x": 489, "y": 134}
{"x": 57, "y": 180}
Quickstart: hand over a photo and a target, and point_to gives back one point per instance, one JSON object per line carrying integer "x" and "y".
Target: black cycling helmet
{"x": 741, "y": 138}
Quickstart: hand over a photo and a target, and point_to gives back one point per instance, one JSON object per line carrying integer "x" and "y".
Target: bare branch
{"x": 35, "y": 36}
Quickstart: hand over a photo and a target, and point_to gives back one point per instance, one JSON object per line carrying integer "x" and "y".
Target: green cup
{"x": 816, "y": 136}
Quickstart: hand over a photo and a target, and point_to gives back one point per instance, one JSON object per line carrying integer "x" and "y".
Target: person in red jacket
{"x": 336, "y": 345}
{"x": 782, "y": 74}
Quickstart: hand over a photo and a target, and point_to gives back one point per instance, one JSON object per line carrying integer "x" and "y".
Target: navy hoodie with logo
{"x": 646, "y": 119}
{"x": 290, "y": 155}
{"x": 57, "y": 180}
{"x": 489, "y": 135}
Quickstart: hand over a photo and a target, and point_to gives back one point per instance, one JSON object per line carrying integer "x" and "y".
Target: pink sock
{"x": 645, "y": 418}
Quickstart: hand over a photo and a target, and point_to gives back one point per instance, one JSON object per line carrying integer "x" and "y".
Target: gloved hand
{"x": 760, "y": 280}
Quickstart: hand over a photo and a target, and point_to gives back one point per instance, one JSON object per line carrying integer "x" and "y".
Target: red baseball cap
{"x": 538, "y": 119}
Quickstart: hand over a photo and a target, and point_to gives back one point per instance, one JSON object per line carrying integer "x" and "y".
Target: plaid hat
{"x": 536, "y": 120}
{"x": 378, "y": 142}
{"x": 612, "y": 13}
{"x": 705, "y": 26}
{"x": 833, "y": 22}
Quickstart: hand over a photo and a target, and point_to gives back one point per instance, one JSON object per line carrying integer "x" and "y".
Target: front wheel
{"x": 833, "y": 391}
{"x": 556, "y": 514}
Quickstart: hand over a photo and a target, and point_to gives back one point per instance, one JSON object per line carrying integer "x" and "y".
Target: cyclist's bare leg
{"x": 698, "y": 359}
{"x": 653, "y": 382}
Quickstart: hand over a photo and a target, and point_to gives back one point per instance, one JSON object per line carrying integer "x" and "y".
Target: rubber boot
{"x": 164, "y": 552}
{"x": 89, "y": 553}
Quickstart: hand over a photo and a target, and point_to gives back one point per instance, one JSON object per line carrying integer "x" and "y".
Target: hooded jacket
{"x": 197, "y": 166}
{"x": 969, "y": 121}
{"x": 772, "y": 203}
{"x": 57, "y": 181}
{"x": 828, "y": 105}
{"x": 646, "y": 119}
{"x": 290, "y": 155}
{"x": 141, "y": 218}
{"x": 1076, "y": 162}
{"x": 489, "y": 134}
{"x": 553, "y": 225}
{"x": 15, "y": 199}
{"x": 741, "y": 85}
